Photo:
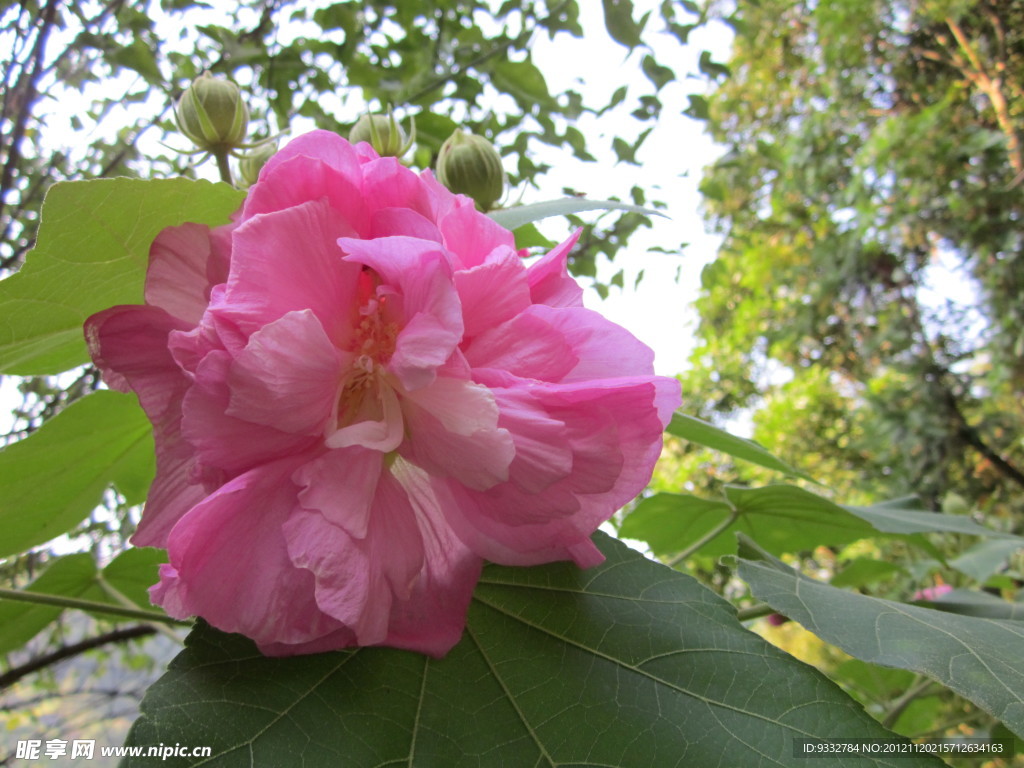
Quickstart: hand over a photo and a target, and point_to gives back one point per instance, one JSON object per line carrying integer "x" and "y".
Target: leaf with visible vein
{"x": 52, "y": 479}
{"x": 92, "y": 252}
{"x": 627, "y": 664}
{"x": 981, "y": 659}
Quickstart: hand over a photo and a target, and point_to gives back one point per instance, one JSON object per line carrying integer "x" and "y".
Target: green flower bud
{"x": 470, "y": 165}
{"x": 212, "y": 114}
{"x": 955, "y": 504}
{"x": 383, "y": 133}
{"x": 250, "y": 164}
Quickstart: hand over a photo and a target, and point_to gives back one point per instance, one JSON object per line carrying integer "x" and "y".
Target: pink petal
{"x": 388, "y": 222}
{"x": 340, "y": 484}
{"x": 431, "y": 619}
{"x": 471, "y": 236}
{"x": 318, "y": 165}
{"x": 226, "y": 443}
{"x": 613, "y": 428}
{"x": 183, "y": 267}
{"x": 389, "y": 185}
{"x": 358, "y": 579}
{"x": 129, "y": 345}
{"x": 527, "y": 346}
{"x": 603, "y": 349}
{"x": 325, "y": 146}
{"x": 376, "y": 424}
{"x": 288, "y": 376}
{"x": 493, "y": 292}
{"x": 549, "y": 278}
{"x": 453, "y": 431}
{"x": 543, "y": 454}
{"x": 237, "y": 574}
{"x": 289, "y": 260}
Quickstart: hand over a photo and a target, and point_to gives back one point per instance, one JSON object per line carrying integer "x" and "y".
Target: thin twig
{"x": 713, "y": 533}
{"x": 27, "y": 99}
{"x": 13, "y": 675}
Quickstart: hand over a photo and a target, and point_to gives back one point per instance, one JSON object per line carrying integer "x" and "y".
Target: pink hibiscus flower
{"x": 359, "y": 393}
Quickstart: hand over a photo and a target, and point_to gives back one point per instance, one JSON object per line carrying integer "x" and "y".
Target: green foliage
{"x": 697, "y": 431}
{"x": 866, "y": 145}
{"x": 129, "y": 575}
{"x": 518, "y": 216}
{"x": 627, "y": 664}
{"x": 982, "y": 659}
{"x": 55, "y": 477}
{"x": 92, "y": 253}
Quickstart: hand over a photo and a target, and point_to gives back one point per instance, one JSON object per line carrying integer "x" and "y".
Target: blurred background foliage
{"x": 862, "y": 318}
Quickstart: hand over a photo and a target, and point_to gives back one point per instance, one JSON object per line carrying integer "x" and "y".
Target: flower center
{"x": 372, "y": 344}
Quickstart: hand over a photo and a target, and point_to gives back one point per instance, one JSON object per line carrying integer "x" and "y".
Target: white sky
{"x": 658, "y": 311}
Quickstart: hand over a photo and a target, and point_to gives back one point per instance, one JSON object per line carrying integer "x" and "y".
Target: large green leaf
{"x": 19, "y": 622}
{"x": 520, "y": 215}
{"x": 781, "y": 518}
{"x": 981, "y": 659}
{"x": 626, "y": 664}
{"x": 985, "y": 558}
{"x": 91, "y": 253}
{"x": 698, "y": 431}
{"x": 53, "y": 478}
{"x": 523, "y": 80}
{"x": 131, "y": 573}
{"x": 906, "y": 519}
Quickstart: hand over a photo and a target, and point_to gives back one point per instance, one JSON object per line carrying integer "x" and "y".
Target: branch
{"x": 992, "y": 87}
{"x": 28, "y": 97}
{"x": 971, "y": 436}
{"x": 13, "y": 675}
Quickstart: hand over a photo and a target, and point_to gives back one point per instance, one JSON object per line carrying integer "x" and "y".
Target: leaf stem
{"x": 119, "y": 597}
{"x": 918, "y": 687}
{"x": 60, "y": 601}
{"x": 713, "y": 533}
{"x": 755, "y": 611}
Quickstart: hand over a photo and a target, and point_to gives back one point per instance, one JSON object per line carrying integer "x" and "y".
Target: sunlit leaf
{"x": 627, "y": 664}
{"x": 522, "y": 79}
{"x": 781, "y": 518}
{"x": 981, "y": 659}
{"x": 518, "y": 215}
{"x": 53, "y": 478}
{"x": 904, "y": 519}
{"x": 618, "y": 20}
{"x": 69, "y": 576}
{"x": 528, "y": 236}
{"x": 131, "y": 573}
{"x": 91, "y": 253}
{"x": 697, "y": 431}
